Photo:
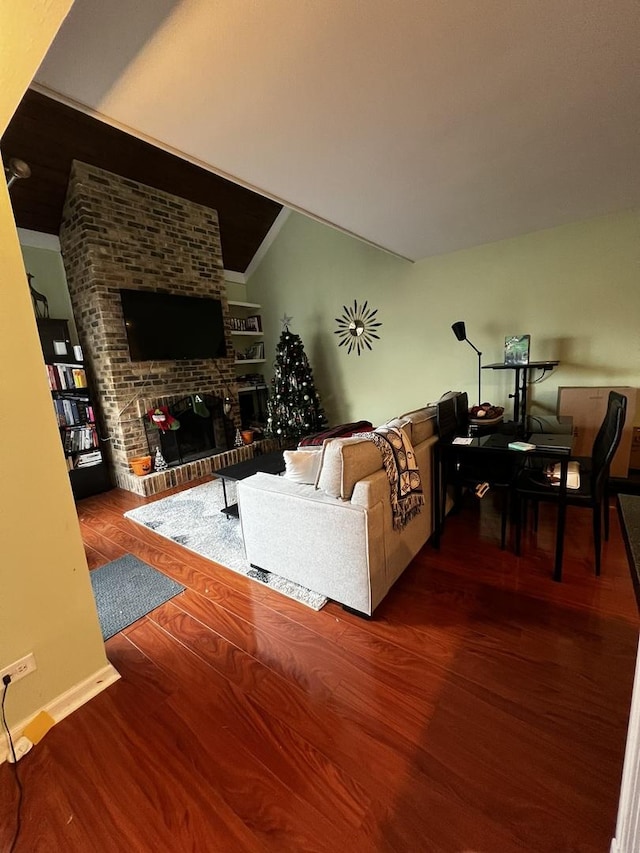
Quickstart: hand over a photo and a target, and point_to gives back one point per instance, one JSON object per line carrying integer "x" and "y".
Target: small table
{"x": 267, "y": 463}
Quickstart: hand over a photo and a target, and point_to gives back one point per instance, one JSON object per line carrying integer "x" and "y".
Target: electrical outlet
{"x": 20, "y": 668}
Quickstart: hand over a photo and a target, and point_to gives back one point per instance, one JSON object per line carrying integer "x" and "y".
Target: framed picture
{"x": 516, "y": 349}
{"x": 256, "y": 351}
{"x": 252, "y": 323}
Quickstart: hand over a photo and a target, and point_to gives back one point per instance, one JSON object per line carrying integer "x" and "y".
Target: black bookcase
{"x": 74, "y": 409}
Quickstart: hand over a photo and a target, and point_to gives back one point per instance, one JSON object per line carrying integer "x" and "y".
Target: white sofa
{"x": 336, "y": 536}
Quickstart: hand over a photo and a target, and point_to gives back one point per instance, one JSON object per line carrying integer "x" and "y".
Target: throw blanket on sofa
{"x": 341, "y": 431}
{"x": 401, "y": 468}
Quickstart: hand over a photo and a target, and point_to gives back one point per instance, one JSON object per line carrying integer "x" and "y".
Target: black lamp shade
{"x": 459, "y": 330}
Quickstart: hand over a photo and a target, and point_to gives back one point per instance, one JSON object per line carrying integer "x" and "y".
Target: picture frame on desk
{"x": 253, "y": 323}
{"x": 516, "y": 349}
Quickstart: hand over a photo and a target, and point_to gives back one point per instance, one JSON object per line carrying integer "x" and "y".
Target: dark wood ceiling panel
{"x": 49, "y": 135}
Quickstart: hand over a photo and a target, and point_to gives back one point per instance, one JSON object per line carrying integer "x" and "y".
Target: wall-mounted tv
{"x": 165, "y": 326}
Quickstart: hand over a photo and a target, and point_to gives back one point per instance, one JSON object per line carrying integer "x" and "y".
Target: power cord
{"x": 132, "y": 400}
{"x": 6, "y": 680}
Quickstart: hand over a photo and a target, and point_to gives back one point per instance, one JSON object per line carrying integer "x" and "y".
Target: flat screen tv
{"x": 164, "y": 326}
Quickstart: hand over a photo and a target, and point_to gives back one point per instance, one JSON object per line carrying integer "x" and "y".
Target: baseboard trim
{"x": 66, "y": 703}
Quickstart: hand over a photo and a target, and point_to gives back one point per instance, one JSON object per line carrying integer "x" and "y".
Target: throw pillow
{"x": 302, "y": 466}
{"x": 344, "y": 462}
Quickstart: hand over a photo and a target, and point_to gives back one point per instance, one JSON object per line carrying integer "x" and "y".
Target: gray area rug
{"x": 127, "y": 589}
{"x": 193, "y": 519}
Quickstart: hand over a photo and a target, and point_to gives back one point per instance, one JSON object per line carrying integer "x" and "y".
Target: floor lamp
{"x": 461, "y": 334}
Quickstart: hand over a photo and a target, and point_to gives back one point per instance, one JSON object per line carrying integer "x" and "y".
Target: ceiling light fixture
{"x": 16, "y": 170}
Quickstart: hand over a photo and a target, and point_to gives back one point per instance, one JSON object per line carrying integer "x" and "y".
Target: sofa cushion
{"x": 423, "y": 424}
{"x": 401, "y": 423}
{"x": 341, "y": 431}
{"x": 302, "y": 466}
{"x": 344, "y": 462}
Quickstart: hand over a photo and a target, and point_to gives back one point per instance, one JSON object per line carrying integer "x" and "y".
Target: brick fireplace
{"x": 118, "y": 233}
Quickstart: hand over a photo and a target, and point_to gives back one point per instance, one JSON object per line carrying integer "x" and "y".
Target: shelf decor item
{"x": 159, "y": 462}
{"x": 247, "y": 436}
{"x": 357, "y": 328}
{"x": 516, "y": 349}
{"x": 162, "y": 419}
{"x": 140, "y": 465}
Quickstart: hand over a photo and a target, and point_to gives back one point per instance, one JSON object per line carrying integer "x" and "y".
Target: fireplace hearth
{"x": 204, "y": 430}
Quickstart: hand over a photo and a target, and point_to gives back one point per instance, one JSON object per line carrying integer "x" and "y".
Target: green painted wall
{"x": 47, "y": 269}
{"x": 574, "y": 289}
{"x": 236, "y": 292}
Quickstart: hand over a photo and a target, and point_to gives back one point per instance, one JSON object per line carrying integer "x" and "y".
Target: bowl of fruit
{"x": 485, "y": 413}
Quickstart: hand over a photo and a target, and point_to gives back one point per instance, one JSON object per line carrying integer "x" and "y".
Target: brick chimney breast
{"x": 117, "y": 233}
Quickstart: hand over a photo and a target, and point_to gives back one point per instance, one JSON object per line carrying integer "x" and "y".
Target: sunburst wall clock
{"x": 357, "y": 328}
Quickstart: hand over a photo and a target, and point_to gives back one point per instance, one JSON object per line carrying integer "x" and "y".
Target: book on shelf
{"x": 79, "y": 377}
{"x": 52, "y": 377}
{"x": 78, "y": 438}
{"x": 237, "y": 324}
{"x": 71, "y": 411}
{"x": 68, "y": 377}
{"x": 254, "y": 352}
{"x": 87, "y": 460}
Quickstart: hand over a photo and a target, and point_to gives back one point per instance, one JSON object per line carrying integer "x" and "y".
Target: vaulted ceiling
{"x": 48, "y": 135}
{"x": 422, "y": 126}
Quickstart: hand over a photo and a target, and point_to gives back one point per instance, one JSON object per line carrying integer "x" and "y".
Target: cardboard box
{"x": 587, "y": 406}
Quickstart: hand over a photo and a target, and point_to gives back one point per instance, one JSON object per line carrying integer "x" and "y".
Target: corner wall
{"x": 574, "y": 289}
{"x": 46, "y": 604}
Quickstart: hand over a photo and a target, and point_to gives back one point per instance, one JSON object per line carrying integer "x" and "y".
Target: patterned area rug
{"x": 193, "y": 519}
{"x": 127, "y": 589}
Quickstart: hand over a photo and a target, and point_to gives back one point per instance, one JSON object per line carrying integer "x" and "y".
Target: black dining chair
{"x": 491, "y": 471}
{"x": 533, "y": 485}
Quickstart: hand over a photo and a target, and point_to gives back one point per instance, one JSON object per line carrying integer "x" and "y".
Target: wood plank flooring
{"x": 483, "y": 709}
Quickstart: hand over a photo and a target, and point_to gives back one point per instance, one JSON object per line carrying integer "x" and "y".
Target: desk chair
{"x": 452, "y": 418}
{"x": 594, "y": 477}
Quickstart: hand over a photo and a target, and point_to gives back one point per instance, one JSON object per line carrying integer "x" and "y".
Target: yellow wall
{"x": 46, "y": 605}
{"x": 574, "y": 289}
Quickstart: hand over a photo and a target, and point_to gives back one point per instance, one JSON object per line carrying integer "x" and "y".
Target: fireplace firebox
{"x": 204, "y": 430}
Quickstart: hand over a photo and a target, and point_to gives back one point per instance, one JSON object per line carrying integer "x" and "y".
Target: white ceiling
{"x": 423, "y": 126}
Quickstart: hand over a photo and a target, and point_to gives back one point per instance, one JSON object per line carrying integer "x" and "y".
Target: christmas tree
{"x": 293, "y": 409}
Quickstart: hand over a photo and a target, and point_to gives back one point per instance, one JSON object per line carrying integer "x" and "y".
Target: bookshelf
{"x": 245, "y": 324}
{"x": 74, "y": 409}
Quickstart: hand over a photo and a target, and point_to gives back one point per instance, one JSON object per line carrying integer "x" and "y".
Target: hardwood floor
{"x": 483, "y": 709}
